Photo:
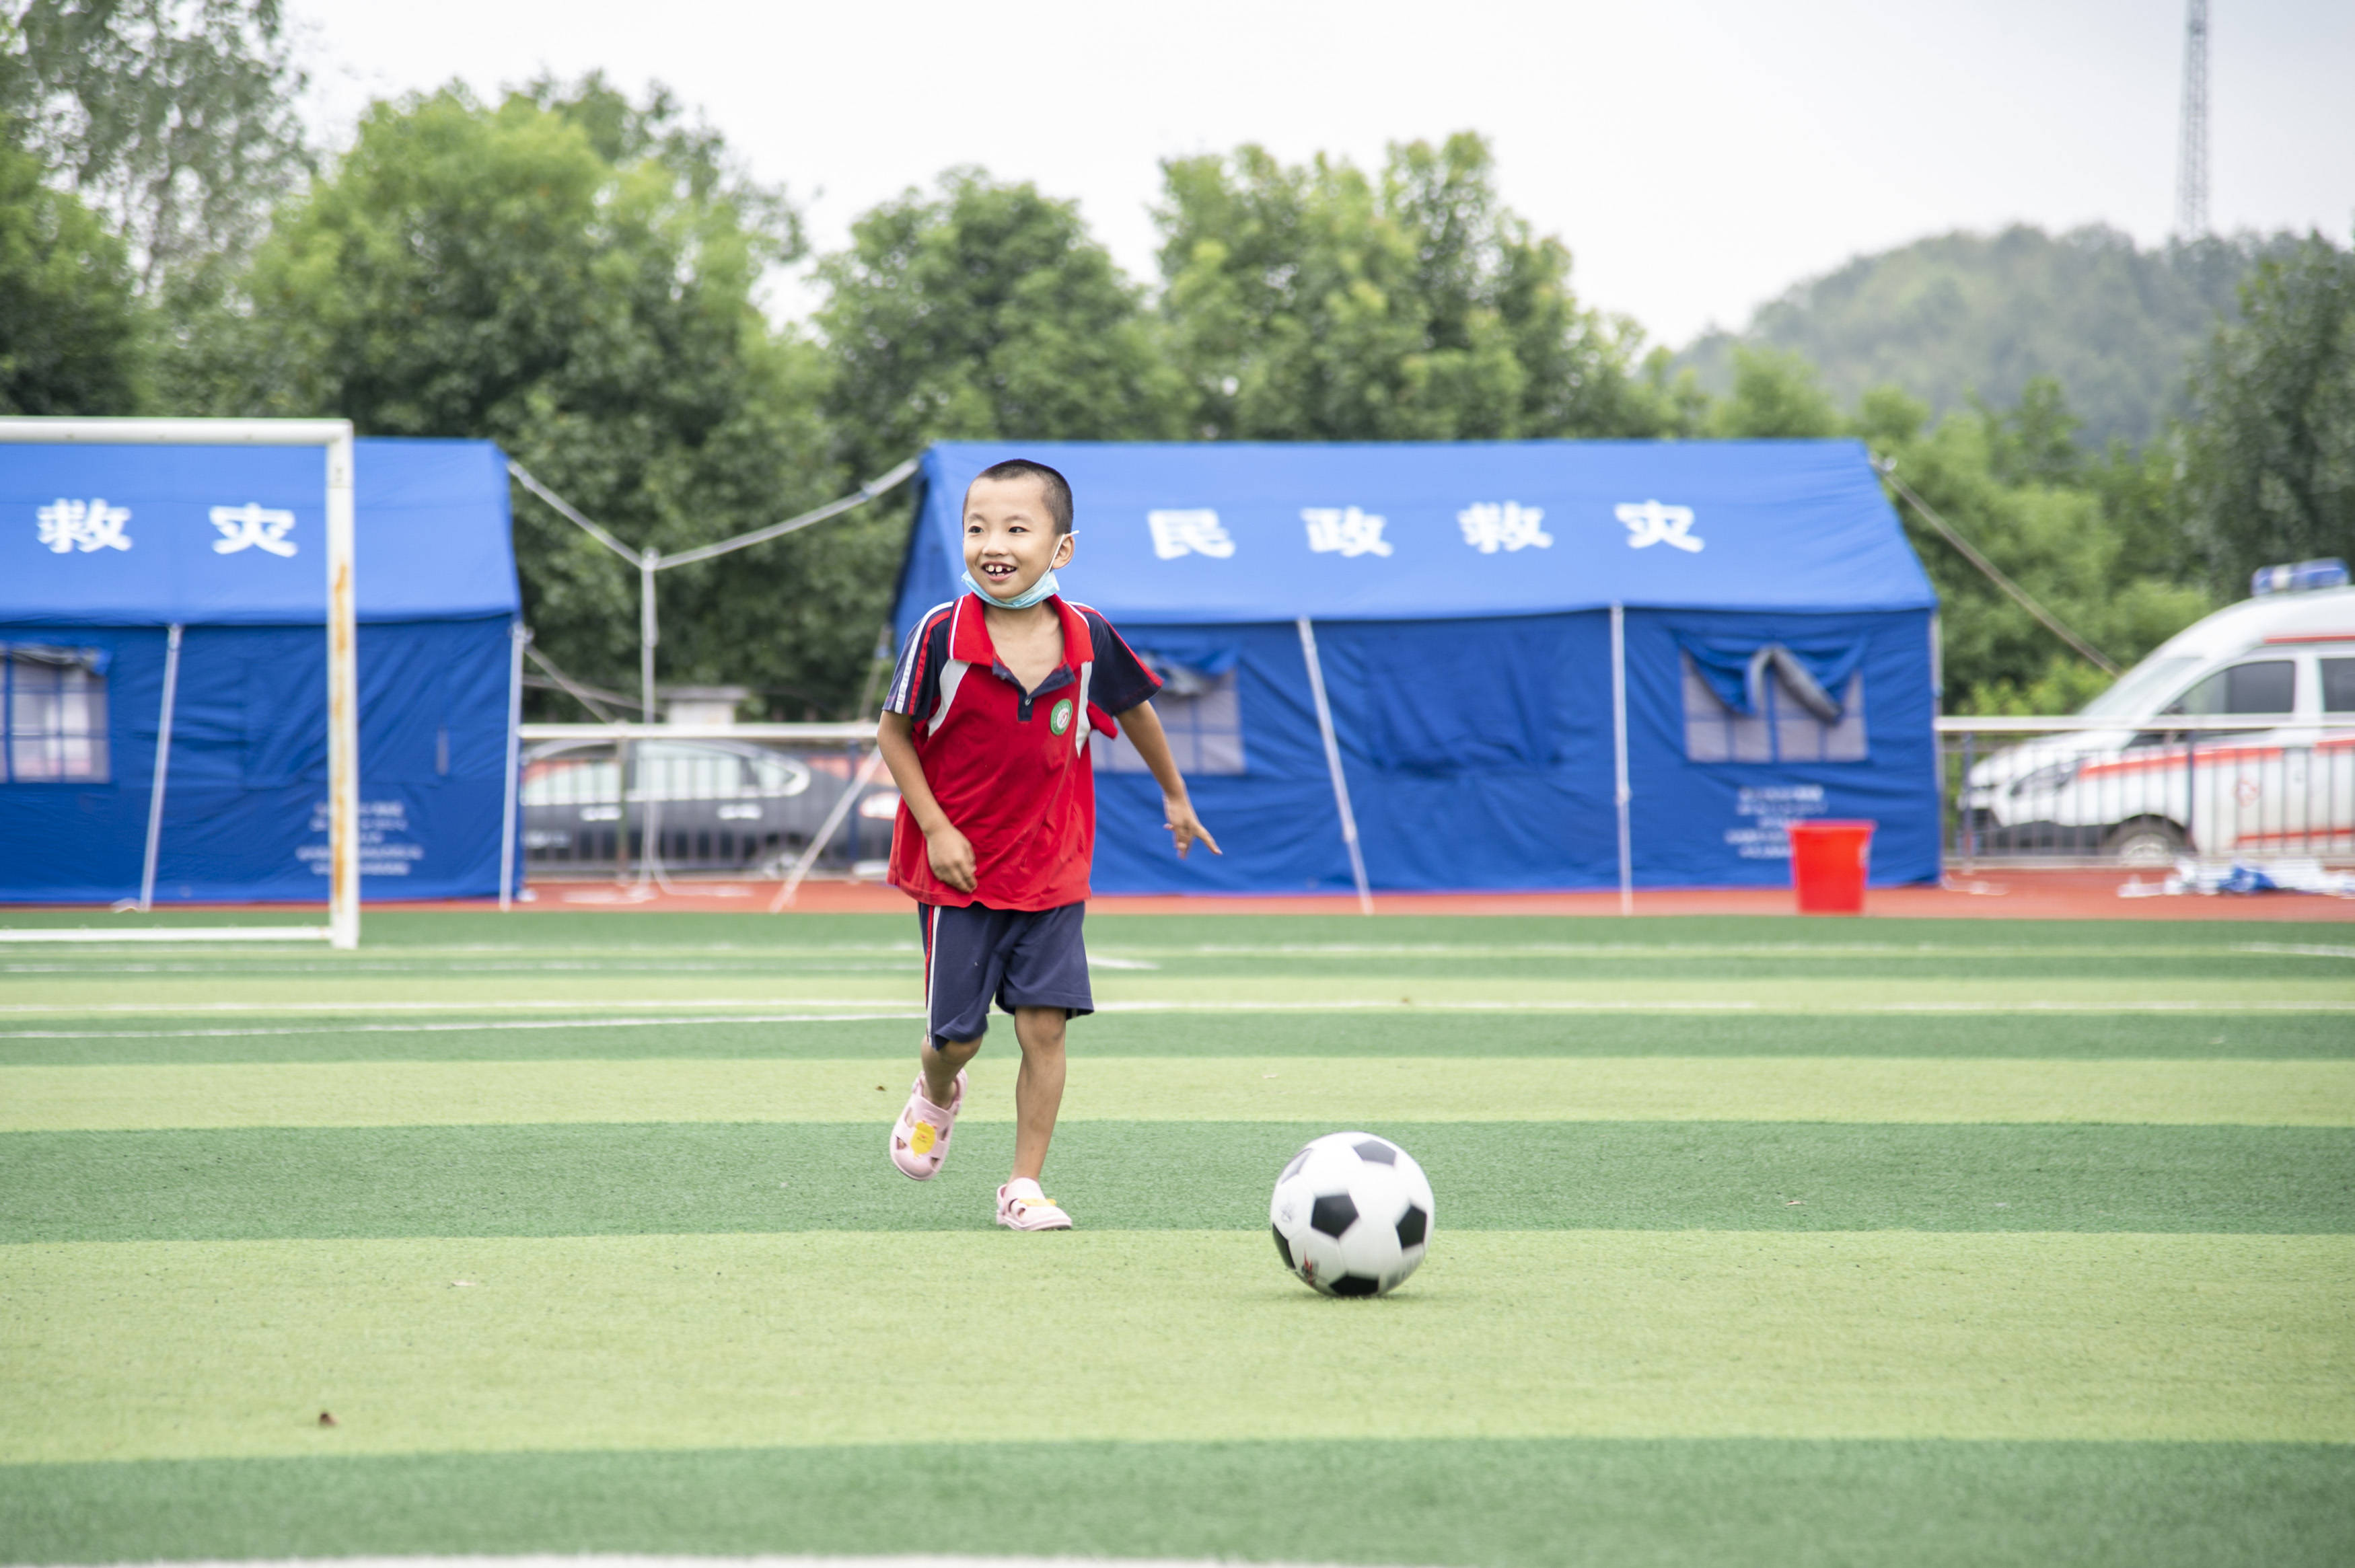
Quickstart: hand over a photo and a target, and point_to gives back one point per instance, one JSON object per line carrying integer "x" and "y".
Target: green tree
{"x": 2062, "y": 526}
{"x": 2269, "y": 451}
{"x": 2086, "y": 536}
{"x": 2036, "y": 442}
{"x": 659, "y": 129}
{"x": 986, "y": 310}
{"x": 174, "y": 117}
{"x": 1315, "y": 303}
{"x": 488, "y": 271}
{"x": 1775, "y": 394}
{"x": 71, "y": 334}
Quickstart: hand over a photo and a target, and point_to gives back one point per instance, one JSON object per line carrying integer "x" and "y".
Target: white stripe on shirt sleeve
{"x": 901, "y": 698}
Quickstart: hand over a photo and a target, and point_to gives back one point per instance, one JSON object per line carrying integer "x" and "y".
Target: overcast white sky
{"x": 1698, "y": 155}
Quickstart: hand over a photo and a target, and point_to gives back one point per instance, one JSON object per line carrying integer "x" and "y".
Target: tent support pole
{"x": 836, "y": 816}
{"x": 650, "y": 814}
{"x": 518, "y": 638}
{"x": 343, "y": 705}
{"x": 649, "y": 633}
{"x": 163, "y": 769}
{"x": 1621, "y": 793}
{"x": 1333, "y": 762}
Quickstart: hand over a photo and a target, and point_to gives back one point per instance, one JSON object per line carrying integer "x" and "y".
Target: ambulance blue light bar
{"x": 2303, "y": 578}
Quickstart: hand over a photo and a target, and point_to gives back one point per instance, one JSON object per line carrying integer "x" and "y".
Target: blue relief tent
{"x": 104, "y": 549}
{"x": 1482, "y": 618}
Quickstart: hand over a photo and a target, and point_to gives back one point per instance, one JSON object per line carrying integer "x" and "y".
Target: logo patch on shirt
{"x": 1060, "y": 719}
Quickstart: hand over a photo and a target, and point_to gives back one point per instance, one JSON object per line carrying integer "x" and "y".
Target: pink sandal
{"x": 1021, "y": 1206}
{"x": 919, "y": 1139}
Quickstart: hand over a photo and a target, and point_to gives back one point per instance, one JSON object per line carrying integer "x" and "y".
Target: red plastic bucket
{"x": 1829, "y": 860}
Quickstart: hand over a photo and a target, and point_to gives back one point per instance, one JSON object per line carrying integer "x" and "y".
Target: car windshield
{"x": 576, "y": 780}
{"x": 2140, "y": 689}
{"x": 669, "y": 771}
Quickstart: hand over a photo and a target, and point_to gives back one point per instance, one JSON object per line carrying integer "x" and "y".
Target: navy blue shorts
{"x": 1017, "y": 958}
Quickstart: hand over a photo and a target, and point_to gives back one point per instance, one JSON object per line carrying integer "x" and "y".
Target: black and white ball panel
{"x": 1352, "y": 1215}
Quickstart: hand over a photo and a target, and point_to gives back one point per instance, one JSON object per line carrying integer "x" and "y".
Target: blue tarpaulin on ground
{"x": 102, "y": 548}
{"x": 1460, "y": 598}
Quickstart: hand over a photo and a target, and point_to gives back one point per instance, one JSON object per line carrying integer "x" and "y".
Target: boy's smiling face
{"x": 1010, "y": 538}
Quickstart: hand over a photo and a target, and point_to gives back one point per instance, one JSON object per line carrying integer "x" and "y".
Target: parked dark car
{"x": 712, "y": 805}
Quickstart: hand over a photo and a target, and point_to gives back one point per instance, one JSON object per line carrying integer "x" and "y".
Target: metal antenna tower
{"x": 2191, "y": 156}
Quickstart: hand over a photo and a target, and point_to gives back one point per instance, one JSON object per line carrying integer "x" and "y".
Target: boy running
{"x": 985, "y": 732}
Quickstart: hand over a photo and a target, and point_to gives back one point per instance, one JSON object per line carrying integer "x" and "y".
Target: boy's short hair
{"x": 1058, "y": 488}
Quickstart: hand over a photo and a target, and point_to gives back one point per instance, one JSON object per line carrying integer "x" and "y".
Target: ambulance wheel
{"x": 2146, "y": 841}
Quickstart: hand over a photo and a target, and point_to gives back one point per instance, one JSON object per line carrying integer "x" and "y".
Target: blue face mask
{"x": 1037, "y": 593}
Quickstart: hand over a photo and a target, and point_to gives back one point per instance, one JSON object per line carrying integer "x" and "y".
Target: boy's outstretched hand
{"x": 1184, "y": 827}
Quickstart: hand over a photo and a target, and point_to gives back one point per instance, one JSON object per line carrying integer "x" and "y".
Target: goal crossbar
{"x": 334, "y": 438}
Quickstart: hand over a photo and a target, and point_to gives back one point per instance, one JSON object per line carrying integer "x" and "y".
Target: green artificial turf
{"x": 1118, "y": 951}
{"x": 1190, "y": 1088}
{"x": 1602, "y": 992}
{"x": 2273, "y": 1035}
{"x": 540, "y": 1180}
{"x": 189, "y": 1349}
{"x": 1647, "y": 1340}
{"x": 1761, "y": 1503}
{"x": 488, "y": 931}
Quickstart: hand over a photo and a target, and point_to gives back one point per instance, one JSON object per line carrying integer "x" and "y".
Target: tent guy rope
{"x": 1887, "y": 468}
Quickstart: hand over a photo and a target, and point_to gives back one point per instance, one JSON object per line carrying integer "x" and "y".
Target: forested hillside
{"x": 1960, "y": 315}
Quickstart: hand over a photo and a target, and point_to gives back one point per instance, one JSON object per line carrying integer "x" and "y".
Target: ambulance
{"x": 2236, "y": 736}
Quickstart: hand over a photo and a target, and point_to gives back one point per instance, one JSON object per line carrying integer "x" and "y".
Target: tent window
{"x": 1202, "y": 714}
{"x": 1781, "y": 728}
{"x": 53, "y": 712}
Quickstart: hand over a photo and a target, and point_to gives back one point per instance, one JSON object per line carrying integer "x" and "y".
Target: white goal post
{"x": 343, "y": 927}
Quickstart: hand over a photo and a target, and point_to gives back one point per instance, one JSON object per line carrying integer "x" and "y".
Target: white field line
{"x": 2105, "y": 1006}
{"x": 1726, "y": 949}
{"x": 621, "y": 1560}
{"x": 550, "y": 966}
{"x": 1125, "y": 955}
{"x": 163, "y": 934}
{"x": 564, "y": 966}
{"x": 1649, "y": 1005}
{"x": 448, "y": 1028}
{"x": 716, "y": 1012}
{"x": 644, "y": 949}
{"x": 671, "y": 1003}
{"x": 1656, "y": 949}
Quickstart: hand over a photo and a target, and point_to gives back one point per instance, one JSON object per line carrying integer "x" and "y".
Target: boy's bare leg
{"x": 1037, "y": 1088}
{"x": 941, "y": 1060}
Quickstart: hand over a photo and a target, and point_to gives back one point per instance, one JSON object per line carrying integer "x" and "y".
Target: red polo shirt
{"x": 1009, "y": 767}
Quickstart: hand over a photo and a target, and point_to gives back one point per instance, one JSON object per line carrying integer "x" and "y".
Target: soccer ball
{"x": 1351, "y": 1215}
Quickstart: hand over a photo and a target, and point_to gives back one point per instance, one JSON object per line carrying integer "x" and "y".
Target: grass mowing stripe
{"x": 393, "y": 926}
{"x": 315, "y": 1183}
{"x": 299, "y": 957}
{"x": 189, "y": 1350}
{"x": 622, "y": 931}
{"x": 32, "y": 999}
{"x": 1198, "y": 1089}
{"x": 1399, "y": 1032}
{"x": 1557, "y": 962}
{"x": 1480, "y": 1504}
{"x": 463, "y": 1026}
